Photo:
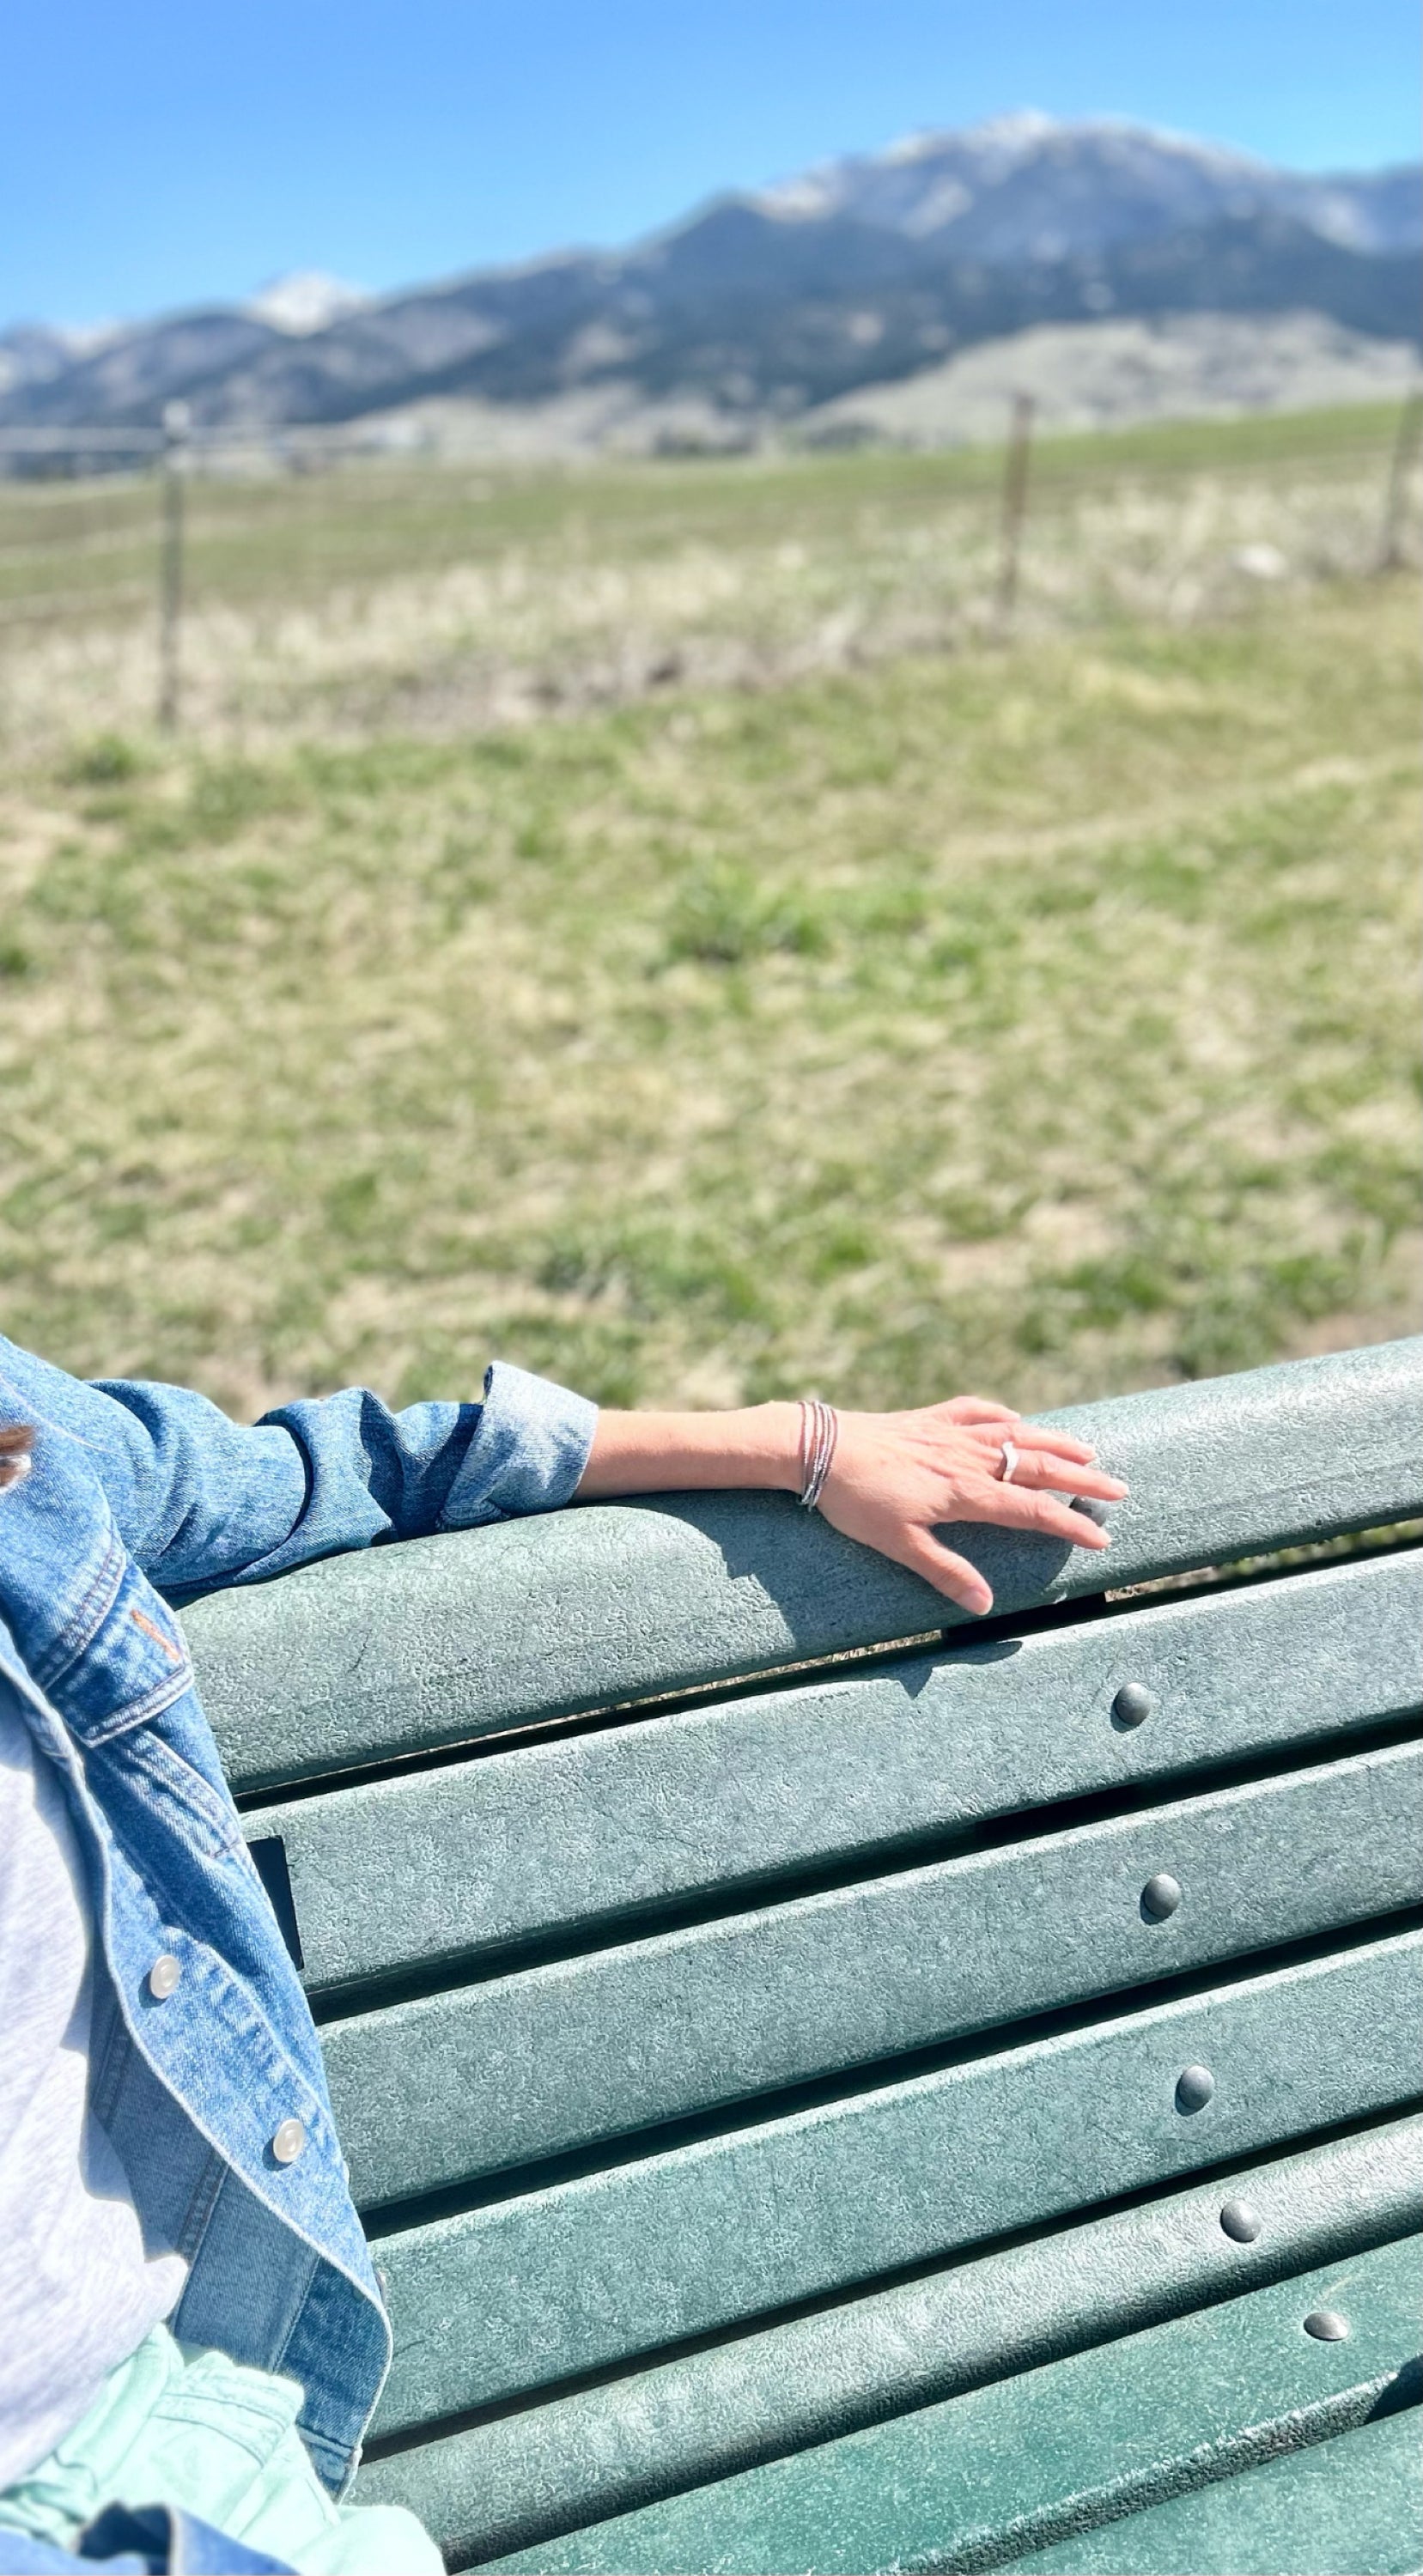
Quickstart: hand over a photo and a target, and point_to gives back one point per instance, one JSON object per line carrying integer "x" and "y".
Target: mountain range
{"x": 763, "y": 306}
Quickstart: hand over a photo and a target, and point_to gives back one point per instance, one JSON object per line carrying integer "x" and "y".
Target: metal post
{"x": 1015, "y": 502}
{"x": 1401, "y": 464}
{"x": 176, "y": 424}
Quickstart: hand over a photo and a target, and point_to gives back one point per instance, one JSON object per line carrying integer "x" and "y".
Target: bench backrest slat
{"x": 430, "y": 1868}
{"x": 1347, "y": 2502}
{"x": 442, "y": 2091}
{"x": 598, "y": 2266}
{"x": 369, "y": 1657}
{"x": 1049, "y": 2452}
{"x": 508, "y": 2481}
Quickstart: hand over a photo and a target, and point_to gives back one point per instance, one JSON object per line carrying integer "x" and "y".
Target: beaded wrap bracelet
{"x": 819, "y": 1431}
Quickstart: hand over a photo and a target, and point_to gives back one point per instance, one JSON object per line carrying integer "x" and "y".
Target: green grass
{"x": 1037, "y": 1019}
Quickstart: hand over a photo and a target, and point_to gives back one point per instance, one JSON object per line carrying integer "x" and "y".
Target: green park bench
{"x": 832, "y": 2086}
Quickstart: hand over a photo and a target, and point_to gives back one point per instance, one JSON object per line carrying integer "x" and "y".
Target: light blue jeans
{"x": 198, "y": 2432}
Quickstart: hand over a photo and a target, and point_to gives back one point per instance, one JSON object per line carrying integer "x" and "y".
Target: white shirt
{"x": 78, "y": 2293}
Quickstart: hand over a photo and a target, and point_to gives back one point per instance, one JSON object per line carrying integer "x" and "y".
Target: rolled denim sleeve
{"x": 201, "y": 1501}
{"x": 375, "y": 1475}
{"x": 528, "y": 1452}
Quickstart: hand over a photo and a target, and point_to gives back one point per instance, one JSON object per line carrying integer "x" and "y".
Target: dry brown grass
{"x": 436, "y": 601}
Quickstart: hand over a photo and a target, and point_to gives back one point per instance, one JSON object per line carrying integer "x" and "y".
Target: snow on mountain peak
{"x": 305, "y": 300}
{"x": 1028, "y": 186}
{"x": 917, "y": 146}
{"x": 83, "y": 339}
{"x": 1022, "y": 129}
{"x": 812, "y": 194}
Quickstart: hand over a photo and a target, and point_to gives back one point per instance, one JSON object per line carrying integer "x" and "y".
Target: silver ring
{"x": 1010, "y": 1461}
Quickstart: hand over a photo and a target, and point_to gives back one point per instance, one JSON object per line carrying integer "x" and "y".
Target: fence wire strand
{"x": 264, "y": 594}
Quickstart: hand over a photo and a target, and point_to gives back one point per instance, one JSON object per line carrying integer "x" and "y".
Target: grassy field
{"x": 1036, "y": 1016}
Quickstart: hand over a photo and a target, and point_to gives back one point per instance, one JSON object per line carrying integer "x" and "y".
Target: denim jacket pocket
{"x": 132, "y": 1663}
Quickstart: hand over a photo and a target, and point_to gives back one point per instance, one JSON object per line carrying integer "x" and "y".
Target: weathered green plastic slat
{"x": 434, "y": 2092}
{"x": 446, "y": 1638}
{"x": 1053, "y": 2452}
{"x": 514, "y": 2294}
{"x": 440, "y": 1864}
{"x": 518, "y": 2478}
{"x": 1349, "y": 2507}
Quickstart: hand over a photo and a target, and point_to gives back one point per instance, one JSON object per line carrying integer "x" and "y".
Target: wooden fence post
{"x": 1015, "y": 502}
{"x": 1401, "y": 464}
{"x": 176, "y": 424}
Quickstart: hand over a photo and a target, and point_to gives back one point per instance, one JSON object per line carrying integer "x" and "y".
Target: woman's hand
{"x": 895, "y": 1478}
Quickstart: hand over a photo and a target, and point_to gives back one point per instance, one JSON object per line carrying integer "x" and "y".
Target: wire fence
{"x": 228, "y": 584}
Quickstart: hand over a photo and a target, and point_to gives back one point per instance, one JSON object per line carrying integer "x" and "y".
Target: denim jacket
{"x": 141, "y": 1497}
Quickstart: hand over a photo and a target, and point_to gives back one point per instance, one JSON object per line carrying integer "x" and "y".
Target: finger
{"x": 1055, "y": 1444}
{"x": 1041, "y": 1471}
{"x": 1013, "y": 1508}
{"x": 950, "y": 1574}
{"x": 1059, "y": 1444}
{"x": 977, "y": 1408}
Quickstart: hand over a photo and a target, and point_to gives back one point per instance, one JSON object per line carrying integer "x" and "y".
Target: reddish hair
{"x": 17, "y": 1439}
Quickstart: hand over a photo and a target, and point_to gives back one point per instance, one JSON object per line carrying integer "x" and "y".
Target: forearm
{"x": 757, "y": 1446}
{"x": 894, "y": 1480}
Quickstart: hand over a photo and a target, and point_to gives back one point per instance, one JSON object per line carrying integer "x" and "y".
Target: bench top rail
{"x": 367, "y": 1658}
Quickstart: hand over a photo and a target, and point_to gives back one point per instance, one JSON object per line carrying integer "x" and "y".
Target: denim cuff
{"x": 528, "y": 1453}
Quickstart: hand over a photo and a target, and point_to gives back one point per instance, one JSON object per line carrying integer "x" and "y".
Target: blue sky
{"x": 157, "y": 155}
